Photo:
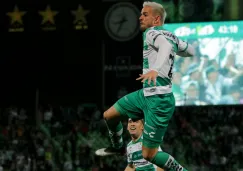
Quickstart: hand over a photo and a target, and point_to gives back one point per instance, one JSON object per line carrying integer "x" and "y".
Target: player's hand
{"x": 150, "y": 76}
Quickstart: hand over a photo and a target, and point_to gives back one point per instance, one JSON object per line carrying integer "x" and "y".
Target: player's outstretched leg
{"x": 161, "y": 109}
{"x": 162, "y": 159}
{"x": 115, "y": 129}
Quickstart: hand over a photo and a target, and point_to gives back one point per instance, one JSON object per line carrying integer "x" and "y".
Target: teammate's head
{"x": 135, "y": 128}
{"x": 152, "y": 14}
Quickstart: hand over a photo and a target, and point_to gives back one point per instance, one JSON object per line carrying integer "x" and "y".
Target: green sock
{"x": 115, "y": 133}
{"x": 166, "y": 161}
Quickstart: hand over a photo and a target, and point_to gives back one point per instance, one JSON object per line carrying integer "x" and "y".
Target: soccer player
{"x": 155, "y": 101}
{"x": 134, "y": 148}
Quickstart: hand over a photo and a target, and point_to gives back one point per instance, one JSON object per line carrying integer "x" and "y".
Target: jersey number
{"x": 170, "y": 74}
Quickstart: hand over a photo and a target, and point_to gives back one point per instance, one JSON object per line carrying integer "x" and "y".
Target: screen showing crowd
{"x": 214, "y": 76}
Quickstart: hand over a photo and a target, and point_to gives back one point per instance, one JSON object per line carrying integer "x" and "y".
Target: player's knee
{"x": 111, "y": 113}
{"x": 148, "y": 154}
{"x": 106, "y": 115}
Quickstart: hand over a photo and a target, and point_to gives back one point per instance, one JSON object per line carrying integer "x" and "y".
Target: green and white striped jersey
{"x": 135, "y": 157}
{"x": 150, "y": 51}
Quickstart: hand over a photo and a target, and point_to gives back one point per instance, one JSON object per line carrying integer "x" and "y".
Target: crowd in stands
{"x": 209, "y": 80}
{"x": 201, "y": 138}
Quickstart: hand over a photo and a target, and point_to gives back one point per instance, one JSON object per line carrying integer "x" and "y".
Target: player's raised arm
{"x": 185, "y": 49}
{"x": 164, "y": 48}
{"x": 156, "y": 39}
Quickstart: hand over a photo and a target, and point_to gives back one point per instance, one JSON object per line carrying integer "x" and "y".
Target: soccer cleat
{"x": 109, "y": 151}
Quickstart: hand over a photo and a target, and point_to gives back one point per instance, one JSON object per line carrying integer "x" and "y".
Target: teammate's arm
{"x": 185, "y": 49}
{"x": 130, "y": 167}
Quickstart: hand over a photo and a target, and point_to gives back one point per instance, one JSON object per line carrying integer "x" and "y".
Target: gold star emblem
{"x": 48, "y": 15}
{"x": 16, "y": 15}
{"x": 80, "y": 15}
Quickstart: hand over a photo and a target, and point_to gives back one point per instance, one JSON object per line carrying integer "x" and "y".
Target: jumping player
{"x": 155, "y": 101}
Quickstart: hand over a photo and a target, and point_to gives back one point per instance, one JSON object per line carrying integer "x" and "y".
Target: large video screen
{"x": 214, "y": 76}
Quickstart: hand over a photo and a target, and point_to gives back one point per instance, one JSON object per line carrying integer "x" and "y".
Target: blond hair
{"x": 157, "y": 8}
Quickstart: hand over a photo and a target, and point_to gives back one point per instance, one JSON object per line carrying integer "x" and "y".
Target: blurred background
{"x": 63, "y": 63}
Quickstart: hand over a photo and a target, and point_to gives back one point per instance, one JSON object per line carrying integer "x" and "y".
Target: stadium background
{"x": 58, "y": 76}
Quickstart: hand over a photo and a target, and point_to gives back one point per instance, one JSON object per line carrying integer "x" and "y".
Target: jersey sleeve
{"x": 151, "y": 36}
{"x": 182, "y": 46}
{"x": 158, "y": 40}
{"x": 185, "y": 49}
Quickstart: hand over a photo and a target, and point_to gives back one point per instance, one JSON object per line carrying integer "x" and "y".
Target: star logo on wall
{"x": 48, "y": 21}
{"x": 48, "y": 15}
{"x": 16, "y": 21}
{"x": 80, "y": 20}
